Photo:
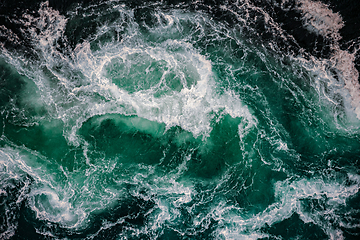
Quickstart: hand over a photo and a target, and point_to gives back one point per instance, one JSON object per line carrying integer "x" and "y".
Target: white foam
{"x": 9, "y": 35}
{"x": 8, "y": 175}
{"x": 289, "y": 195}
{"x": 319, "y": 18}
{"x": 191, "y": 107}
{"x": 44, "y": 195}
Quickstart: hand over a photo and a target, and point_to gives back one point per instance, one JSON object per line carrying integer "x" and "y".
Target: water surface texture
{"x": 179, "y": 120}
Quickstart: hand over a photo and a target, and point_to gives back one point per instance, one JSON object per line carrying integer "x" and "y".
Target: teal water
{"x": 158, "y": 122}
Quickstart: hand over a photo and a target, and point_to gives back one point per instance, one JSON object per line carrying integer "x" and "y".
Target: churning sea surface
{"x": 179, "y": 120}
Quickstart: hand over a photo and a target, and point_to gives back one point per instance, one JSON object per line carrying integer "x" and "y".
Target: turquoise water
{"x": 158, "y": 121}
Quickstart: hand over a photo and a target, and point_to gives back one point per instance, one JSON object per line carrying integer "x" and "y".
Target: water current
{"x": 179, "y": 120}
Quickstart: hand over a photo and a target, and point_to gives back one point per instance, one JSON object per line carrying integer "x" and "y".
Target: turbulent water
{"x": 178, "y": 120}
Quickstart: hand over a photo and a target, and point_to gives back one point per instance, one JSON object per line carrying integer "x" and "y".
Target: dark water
{"x": 179, "y": 120}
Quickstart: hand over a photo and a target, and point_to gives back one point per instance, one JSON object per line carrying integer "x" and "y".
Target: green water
{"x": 162, "y": 123}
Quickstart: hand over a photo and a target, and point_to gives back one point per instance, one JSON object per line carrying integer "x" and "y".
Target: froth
{"x": 116, "y": 76}
{"x": 184, "y": 94}
{"x": 47, "y": 198}
{"x": 290, "y": 197}
{"x": 319, "y": 18}
{"x": 8, "y": 175}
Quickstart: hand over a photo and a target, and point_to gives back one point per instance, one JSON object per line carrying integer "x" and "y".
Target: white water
{"x": 82, "y": 89}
